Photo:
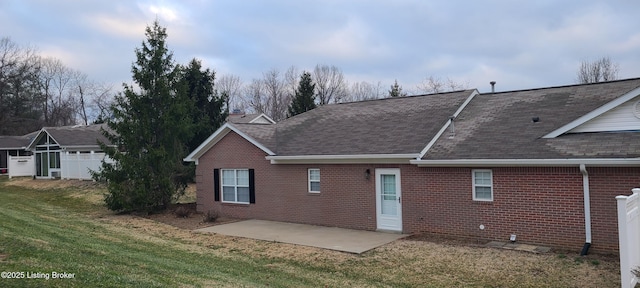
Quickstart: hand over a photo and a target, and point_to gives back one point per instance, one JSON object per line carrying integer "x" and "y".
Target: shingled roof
{"x": 501, "y": 126}
{"x": 495, "y": 126}
{"x": 13, "y": 142}
{"x": 76, "y": 136}
{"x": 385, "y": 126}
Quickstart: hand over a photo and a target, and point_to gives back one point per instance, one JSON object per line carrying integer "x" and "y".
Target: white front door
{"x": 388, "y": 200}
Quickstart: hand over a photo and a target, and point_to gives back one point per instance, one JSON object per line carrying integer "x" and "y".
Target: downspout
{"x": 587, "y": 210}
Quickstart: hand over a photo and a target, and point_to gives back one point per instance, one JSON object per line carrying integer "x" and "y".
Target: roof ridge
{"x": 401, "y": 97}
{"x": 564, "y": 86}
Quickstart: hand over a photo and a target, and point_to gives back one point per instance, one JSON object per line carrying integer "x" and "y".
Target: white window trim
{"x": 309, "y": 180}
{"x": 474, "y": 185}
{"x": 235, "y": 185}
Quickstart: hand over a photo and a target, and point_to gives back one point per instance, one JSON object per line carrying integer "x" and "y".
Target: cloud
{"x": 164, "y": 12}
{"x": 348, "y": 41}
{"x": 118, "y": 26}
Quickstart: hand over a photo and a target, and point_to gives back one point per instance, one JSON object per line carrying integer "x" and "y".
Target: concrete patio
{"x": 345, "y": 240}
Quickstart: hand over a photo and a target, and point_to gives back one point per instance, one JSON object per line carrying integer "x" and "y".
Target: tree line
{"x": 37, "y": 91}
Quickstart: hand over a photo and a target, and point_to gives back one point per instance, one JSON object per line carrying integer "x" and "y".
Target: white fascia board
{"x": 602, "y": 162}
{"x": 217, "y": 136}
{"x": 33, "y": 141}
{"x": 595, "y": 113}
{"x": 446, "y": 125}
{"x": 262, "y": 115}
{"x": 208, "y": 143}
{"x": 343, "y": 159}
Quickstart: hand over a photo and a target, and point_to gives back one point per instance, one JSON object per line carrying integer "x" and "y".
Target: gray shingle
{"x": 78, "y": 135}
{"x": 500, "y": 126}
{"x": 13, "y": 142}
{"x": 385, "y": 126}
{"x": 263, "y": 133}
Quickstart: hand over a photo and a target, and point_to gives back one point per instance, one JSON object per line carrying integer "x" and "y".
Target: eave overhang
{"x": 217, "y": 136}
{"x": 344, "y": 159}
{"x": 598, "y": 162}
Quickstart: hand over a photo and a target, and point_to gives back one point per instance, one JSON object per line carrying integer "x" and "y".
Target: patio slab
{"x": 345, "y": 240}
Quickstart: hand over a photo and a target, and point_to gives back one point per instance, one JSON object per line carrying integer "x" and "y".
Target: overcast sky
{"x": 519, "y": 44}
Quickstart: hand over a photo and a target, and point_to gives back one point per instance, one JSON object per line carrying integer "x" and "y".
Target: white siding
{"x": 621, "y": 118}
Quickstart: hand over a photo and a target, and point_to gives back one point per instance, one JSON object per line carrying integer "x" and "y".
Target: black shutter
{"x": 252, "y": 187}
{"x": 216, "y": 184}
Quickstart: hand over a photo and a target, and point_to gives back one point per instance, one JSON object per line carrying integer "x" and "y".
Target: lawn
{"x": 67, "y": 230}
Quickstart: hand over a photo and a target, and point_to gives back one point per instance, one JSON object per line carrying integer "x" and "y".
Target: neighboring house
{"x": 543, "y": 164}
{"x": 15, "y": 160}
{"x": 242, "y": 118}
{"x": 68, "y": 152}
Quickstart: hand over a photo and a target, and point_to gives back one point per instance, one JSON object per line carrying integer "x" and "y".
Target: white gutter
{"x": 601, "y": 162}
{"x": 587, "y": 205}
{"x": 343, "y": 159}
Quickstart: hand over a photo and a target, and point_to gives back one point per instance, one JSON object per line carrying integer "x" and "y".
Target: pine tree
{"x": 396, "y": 90}
{"x": 305, "y": 98}
{"x": 207, "y": 112}
{"x": 149, "y": 126}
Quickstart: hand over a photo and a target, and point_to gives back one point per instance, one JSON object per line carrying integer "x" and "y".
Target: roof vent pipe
{"x": 493, "y": 86}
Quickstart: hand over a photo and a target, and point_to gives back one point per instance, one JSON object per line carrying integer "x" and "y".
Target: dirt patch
{"x": 175, "y": 216}
{"x": 42, "y": 184}
{"x": 447, "y": 240}
{"x": 3, "y": 256}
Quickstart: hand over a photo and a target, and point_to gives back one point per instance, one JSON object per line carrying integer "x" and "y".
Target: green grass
{"x": 68, "y": 230}
{"x": 47, "y": 231}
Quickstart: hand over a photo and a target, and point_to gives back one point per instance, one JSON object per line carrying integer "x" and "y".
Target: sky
{"x": 518, "y": 44}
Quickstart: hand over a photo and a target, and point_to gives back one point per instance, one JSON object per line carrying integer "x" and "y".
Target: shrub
{"x": 183, "y": 212}
{"x": 210, "y": 216}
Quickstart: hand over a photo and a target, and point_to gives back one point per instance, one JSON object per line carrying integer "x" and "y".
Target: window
{"x": 235, "y": 185}
{"x": 314, "y": 180}
{"x": 482, "y": 185}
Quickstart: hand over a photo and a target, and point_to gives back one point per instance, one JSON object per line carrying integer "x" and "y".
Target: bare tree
{"x": 58, "y": 83}
{"x": 437, "y": 85}
{"x": 36, "y": 91}
{"x": 231, "y": 86}
{"x": 19, "y": 94}
{"x": 101, "y": 102}
{"x": 278, "y": 101}
{"x": 93, "y": 100}
{"x": 291, "y": 80}
{"x": 255, "y": 96}
{"x": 597, "y": 71}
{"x": 364, "y": 90}
{"x": 330, "y": 84}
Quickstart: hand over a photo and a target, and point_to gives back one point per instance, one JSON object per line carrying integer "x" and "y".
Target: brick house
{"x": 543, "y": 164}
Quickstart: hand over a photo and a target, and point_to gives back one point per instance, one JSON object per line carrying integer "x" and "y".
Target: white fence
{"x": 629, "y": 234}
{"x": 78, "y": 165}
{"x": 21, "y": 166}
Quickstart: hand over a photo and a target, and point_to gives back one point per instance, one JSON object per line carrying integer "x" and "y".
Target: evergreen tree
{"x": 208, "y": 111}
{"x": 149, "y": 125}
{"x": 396, "y": 90}
{"x": 305, "y": 98}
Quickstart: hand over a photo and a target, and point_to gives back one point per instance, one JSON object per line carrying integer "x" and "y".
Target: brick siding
{"x": 541, "y": 205}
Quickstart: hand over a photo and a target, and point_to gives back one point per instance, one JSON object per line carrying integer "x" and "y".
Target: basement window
{"x": 482, "y": 185}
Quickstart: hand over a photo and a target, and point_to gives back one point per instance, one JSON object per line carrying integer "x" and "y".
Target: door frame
{"x": 383, "y": 223}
